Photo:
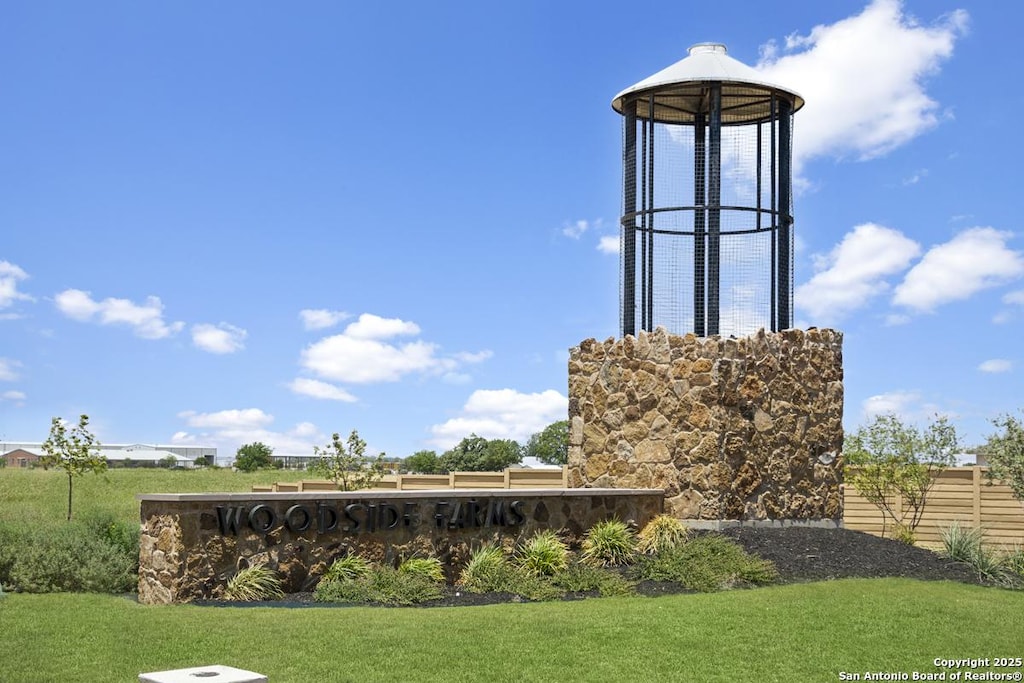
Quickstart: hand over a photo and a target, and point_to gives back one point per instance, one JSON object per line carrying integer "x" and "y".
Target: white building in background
{"x": 143, "y": 455}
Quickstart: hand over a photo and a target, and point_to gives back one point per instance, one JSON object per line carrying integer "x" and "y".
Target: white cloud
{"x": 916, "y": 177}
{"x": 974, "y": 260}
{"x": 371, "y": 326}
{"x": 996, "y": 365}
{"x": 8, "y": 373}
{"x": 229, "y": 429}
{"x": 479, "y": 357}
{"x": 502, "y": 414}
{"x": 10, "y": 276}
{"x": 609, "y": 244}
{"x": 854, "y": 271}
{"x": 575, "y": 230}
{"x": 222, "y": 338}
{"x": 896, "y": 319}
{"x": 863, "y": 79}
{"x": 362, "y": 353}
{"x": 248, "y": 418}
{"x": 321, "y": 390}
{"x": 1015, "y": 297}
{"x": 13, "y": 396}
{"x": 360, "y": 361}
{"x": 320, "y": 318}
{"x": 146, "y": 320}
{"x": 896, "y": 402}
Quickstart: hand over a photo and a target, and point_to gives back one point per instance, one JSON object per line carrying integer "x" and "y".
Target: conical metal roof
{"x": 680, "y": 91}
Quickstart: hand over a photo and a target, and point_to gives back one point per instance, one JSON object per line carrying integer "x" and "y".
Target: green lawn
{"x": 806, "y": 632}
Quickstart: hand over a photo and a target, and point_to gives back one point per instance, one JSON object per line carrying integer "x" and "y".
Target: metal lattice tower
{"x": 707, "y": 220}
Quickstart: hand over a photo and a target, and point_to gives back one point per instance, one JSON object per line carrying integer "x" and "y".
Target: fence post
{"x": 976, "y": 485}
{"x": 508, "y": 477}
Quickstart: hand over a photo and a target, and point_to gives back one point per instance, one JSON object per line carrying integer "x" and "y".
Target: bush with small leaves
{"x": 706, "y": 564}
{"x": 427, "y": 567}
{"x": 66, "y": 559}
{"x": 381, "y": 586}
{"x": 609, "y": 544}
{"x": 256, "y": 582}
{"x": 579, "y": 577}
{"x": 664, "y": 532}
{"x": 544, "y": 554}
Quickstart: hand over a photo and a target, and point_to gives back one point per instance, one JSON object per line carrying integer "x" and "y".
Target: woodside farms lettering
{"x": 371, "y": 516}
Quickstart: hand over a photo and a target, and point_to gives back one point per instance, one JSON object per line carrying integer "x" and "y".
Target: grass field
{"x": 805, "y": 632}
{"x": 40, "y": 497}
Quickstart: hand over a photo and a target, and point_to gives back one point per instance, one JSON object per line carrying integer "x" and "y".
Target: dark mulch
{"x": 799, "y": 553}
{"x": 807, "y": 554}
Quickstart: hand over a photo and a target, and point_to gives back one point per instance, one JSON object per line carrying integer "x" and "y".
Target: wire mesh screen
{"x": 706, "y": 243}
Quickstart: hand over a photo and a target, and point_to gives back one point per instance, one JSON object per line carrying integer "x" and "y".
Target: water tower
{"x": 707, "y": 219}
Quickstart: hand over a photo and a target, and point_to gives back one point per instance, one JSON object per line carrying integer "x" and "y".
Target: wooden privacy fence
{"x": 511, "y": 478}
{"x": 960, "y": 494}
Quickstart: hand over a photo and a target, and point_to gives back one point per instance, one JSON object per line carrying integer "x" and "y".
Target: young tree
{"x": 422, "y": 462}
{"x": 74, "y": 450}
{"x": 551, "y": 445}
{"x": 1005, "y": 454}
{"x": 346, "y": 464}
{"x": 254, "y": 456}
{"x": 892, "y": 461}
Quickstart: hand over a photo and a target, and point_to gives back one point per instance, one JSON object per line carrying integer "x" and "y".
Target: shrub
{"x": 1013, "y": 562}
{"x": 609, "y": 543}
{"x": 254, "y": 583}
{"x": 543, "y": 555}
{"x": 706, "y": 564}
{"x": 487, "y": 568}
{"x": 427, "y": 567}
{"x": 580, "y": 577}
{"x": 664, "y": 532}
{"x": 961, "y": 544}
{"x": 347, "y": 568}
{"x": 67, "y": 559}
{"x": 489, "y": 571}
{"x": 381, "y": 586}
{"x": 965, "y": 545}
{"x": 118, "y": 533}
{"x": 904, "y": 534}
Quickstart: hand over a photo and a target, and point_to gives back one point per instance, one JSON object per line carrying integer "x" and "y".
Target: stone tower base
{"x": 746, "y": 429}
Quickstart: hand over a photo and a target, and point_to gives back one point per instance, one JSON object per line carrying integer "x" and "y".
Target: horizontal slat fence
{"x": 960, "y": 494}
{"x": 511, "y": 478}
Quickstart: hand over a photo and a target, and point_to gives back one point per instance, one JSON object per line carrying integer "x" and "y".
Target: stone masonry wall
{"x": 191, "y": 544}
{"x": 731, "y": 429}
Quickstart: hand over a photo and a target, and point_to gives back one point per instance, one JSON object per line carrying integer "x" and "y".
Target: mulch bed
{"x": 799, "y": 553}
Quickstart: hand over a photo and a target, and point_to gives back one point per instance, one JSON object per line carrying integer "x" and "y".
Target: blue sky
{"x": 227, "y": 222}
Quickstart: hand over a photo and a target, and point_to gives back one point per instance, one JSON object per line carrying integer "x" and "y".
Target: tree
{"x": 551, "y": 445}
{"x": 422, "y": 462}
{"x": 347, "y": 465}
{"x": 477, "y": 454}
{"x": 254, "y": 456}
{"x": 1005, "y": 454}
{"x": 169, "y": 461}
{"x": 895, "y": 466}
{"x": 75, "y": 450}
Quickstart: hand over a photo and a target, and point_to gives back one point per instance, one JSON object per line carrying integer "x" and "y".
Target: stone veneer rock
{"x": 185, "y": 555}
{"x": 731, "y": 429}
